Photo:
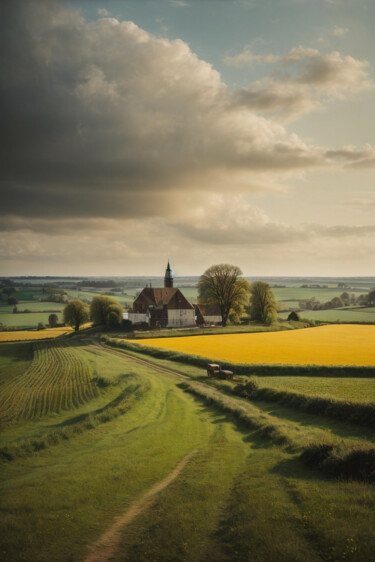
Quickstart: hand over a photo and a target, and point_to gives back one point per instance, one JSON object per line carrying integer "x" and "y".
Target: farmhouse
{"x": 164, "y": 307}
{"x": 207, "y": 314}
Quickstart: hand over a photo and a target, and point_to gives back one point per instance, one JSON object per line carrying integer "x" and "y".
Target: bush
{"x": 40, "y": 326}
{"x": 355, "y": 464}
{"x": 105, "y": 311}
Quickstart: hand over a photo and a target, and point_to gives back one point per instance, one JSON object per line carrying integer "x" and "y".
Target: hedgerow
{"x": 352, "y": 412}
{"x": 354, "y": 463}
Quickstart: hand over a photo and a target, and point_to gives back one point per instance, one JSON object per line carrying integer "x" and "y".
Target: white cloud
{"x": 103, "y": 13}
{"x": 246, "y": 57}
{"x": 304, "y": 81}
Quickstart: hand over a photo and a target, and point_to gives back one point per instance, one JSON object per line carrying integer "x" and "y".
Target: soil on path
{"x": 107, "y": 545}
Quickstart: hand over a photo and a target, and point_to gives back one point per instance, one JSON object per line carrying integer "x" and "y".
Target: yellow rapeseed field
{"x": 25, "y": 335}
{"x": 325, "y": 345}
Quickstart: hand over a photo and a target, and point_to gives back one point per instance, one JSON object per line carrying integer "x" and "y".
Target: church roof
{"x": 163, "y": 296}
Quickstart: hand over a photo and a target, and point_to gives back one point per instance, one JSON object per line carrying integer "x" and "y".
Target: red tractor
{"x": 214, "y": 370}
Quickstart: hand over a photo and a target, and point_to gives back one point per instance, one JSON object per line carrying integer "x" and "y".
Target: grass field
{"x": 358, "y": 390}
{"x": 346, "y": 315}
{"x": 326, "y": 345}
{"x": 239, "y": 497}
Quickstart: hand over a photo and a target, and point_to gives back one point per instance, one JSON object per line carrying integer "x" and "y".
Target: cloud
{"x": 339, "y": 31}
{"x": 246, "y": 57}
{"x": 103, "y": 119}
{"x": 103, "y": 13}
{"x": 304, "y": 80}
{"x": 353, "y": 157}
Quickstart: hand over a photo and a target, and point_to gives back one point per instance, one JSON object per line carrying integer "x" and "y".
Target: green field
{"x": 28, "y": 320}
{"x": 348, "y": 315}
{"x": 358, "y": 389}
{"x": 87, "y": 431}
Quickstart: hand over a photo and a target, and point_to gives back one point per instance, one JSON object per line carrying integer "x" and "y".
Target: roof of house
{"x": 208, "y": 309}
{"x": 163, "y": 296}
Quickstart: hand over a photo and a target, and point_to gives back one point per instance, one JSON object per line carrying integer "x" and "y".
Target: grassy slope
{"x": 237, "y": 495}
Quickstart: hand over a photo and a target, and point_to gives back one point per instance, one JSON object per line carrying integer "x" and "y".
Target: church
{"x": 163, "y": 307}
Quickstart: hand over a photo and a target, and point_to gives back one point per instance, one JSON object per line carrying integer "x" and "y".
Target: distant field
{"x": 25, "y": 335}
{"x": 28, "y": 320}
{"x": 87, "y": 296}
{"x": 337, "y": 315}
{"x": 34, "y": 306}
{"x": 326, "y": 345}
{"x": 322, "y": 295}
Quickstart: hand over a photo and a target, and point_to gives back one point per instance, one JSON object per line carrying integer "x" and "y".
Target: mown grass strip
{"x": 351, "y": 462}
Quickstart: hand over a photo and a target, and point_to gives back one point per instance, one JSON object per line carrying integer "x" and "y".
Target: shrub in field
{"x": 105, "y": 310}
{"x": 247, "y": 390}
{"x": 263, "y": 306}
{"x": 52, "y": 320}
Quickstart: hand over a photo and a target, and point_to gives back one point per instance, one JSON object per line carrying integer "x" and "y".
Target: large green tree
{"x": 76, "y": 313}
{"x": 222, "y": 285}
{"x": 105, "y": 310}
{"x": 263, "y": 306}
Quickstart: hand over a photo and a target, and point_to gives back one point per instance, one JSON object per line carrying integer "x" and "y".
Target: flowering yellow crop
{"x": 325, "y": 345}
{"x": 25, "y": 335}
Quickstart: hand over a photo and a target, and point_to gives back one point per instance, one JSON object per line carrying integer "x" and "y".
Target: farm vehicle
{"x": 214, "y": 370}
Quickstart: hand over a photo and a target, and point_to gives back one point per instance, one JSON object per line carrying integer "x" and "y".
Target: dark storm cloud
{"x": 102, "y": 119}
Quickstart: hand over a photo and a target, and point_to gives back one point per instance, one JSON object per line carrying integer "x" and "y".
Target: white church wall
{"x": 180, "y": 318}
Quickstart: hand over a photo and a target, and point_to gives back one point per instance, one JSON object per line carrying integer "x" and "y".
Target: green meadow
{"x": 80, "y": 445}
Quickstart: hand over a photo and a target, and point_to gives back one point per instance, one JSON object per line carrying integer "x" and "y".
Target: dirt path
{"x": 107, "y": 545}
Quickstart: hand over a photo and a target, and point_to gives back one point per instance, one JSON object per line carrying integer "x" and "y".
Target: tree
{"x": 76, "y": 313}
{"x": 52, "y": 320}
{"x": 105, "y": 310}
{"x": 221, "y": 285}
{"x": 263, "y": 306}
{"x": 12, "y": 300}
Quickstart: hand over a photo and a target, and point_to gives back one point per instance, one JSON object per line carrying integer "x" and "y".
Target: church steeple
{"x": 168, "y": 277}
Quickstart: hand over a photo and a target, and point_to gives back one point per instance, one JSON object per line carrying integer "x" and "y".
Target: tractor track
{"x": 121, "y": 353}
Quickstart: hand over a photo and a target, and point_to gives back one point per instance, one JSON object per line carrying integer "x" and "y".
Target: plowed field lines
{"x": 57, "y": 379}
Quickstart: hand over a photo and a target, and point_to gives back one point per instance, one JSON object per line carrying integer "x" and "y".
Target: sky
{"x": 199, "y": 131}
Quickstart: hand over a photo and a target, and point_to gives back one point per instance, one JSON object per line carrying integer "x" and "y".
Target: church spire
{"x": 168, "y": 277}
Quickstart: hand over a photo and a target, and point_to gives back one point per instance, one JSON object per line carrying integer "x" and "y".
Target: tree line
{"x": 223, "y": 286}
{"x": 103, "y": 310}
